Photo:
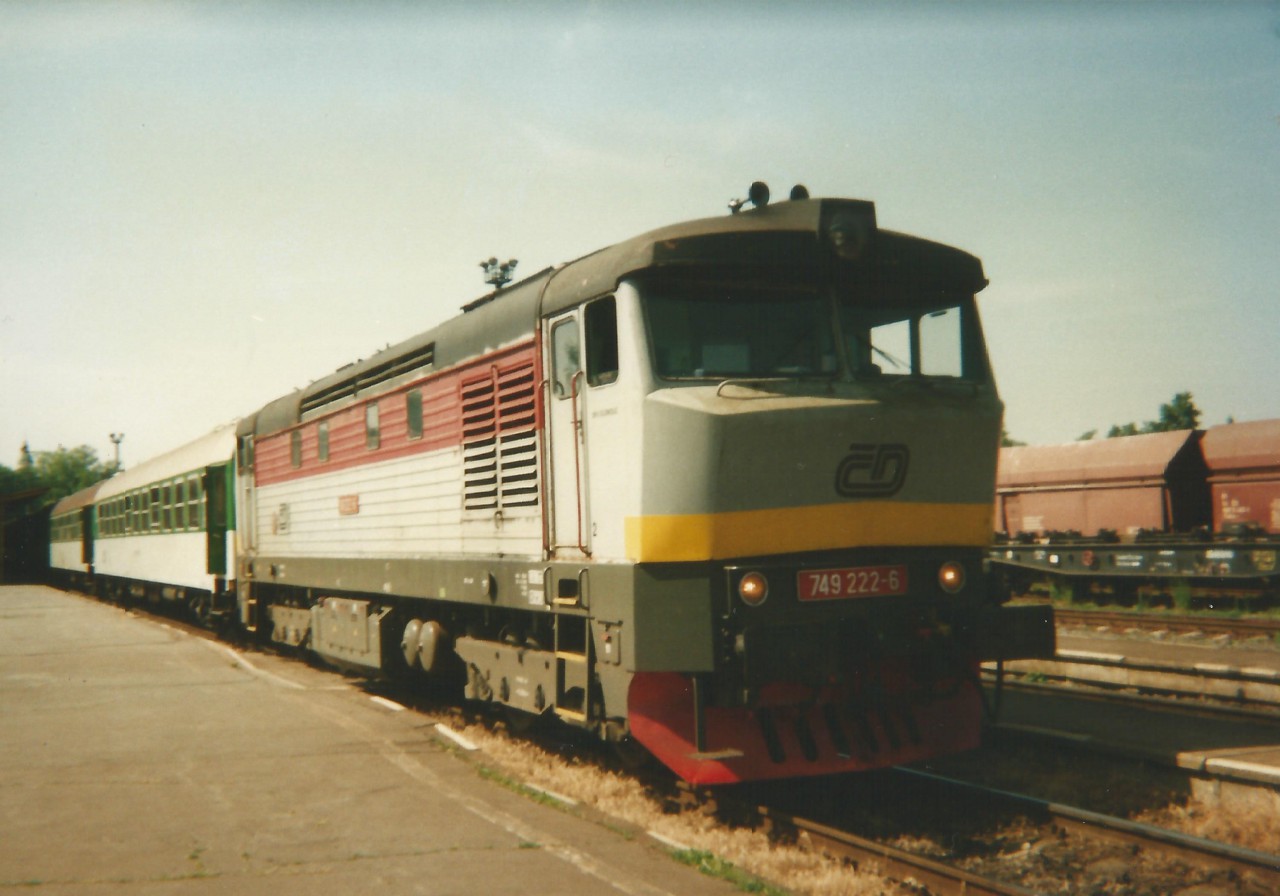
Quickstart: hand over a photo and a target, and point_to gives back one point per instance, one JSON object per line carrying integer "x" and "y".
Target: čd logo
{"x": 872, "y": 471}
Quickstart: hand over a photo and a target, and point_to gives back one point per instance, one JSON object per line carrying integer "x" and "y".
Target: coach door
{"x": 86, "y": 536}
{"x": 564, "y": 397}
{"x": 215, "y": 509}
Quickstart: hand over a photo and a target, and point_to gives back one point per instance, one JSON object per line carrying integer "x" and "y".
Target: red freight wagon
{"x": 1125, "y": 485}
{"x": 1244, "y": 474}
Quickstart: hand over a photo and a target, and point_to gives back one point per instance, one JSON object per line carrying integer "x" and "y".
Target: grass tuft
{"x": 714, "y": 866}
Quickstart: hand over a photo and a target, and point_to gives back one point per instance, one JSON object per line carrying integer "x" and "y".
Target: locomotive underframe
{"x": 569, "y": 638}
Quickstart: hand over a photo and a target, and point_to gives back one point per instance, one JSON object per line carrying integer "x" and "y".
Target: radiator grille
{"x": 500, "y": 439}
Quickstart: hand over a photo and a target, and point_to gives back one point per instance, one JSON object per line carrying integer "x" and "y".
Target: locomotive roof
{"x": 505, "y": 316}
{"x": 1150, "y": 456}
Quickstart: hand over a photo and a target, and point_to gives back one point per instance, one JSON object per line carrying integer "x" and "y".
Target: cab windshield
{"x": 722, "y": 331}
{"x": 934, "y": 339}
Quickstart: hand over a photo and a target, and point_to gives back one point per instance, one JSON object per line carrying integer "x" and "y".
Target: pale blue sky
{"x": 205, "y": 205}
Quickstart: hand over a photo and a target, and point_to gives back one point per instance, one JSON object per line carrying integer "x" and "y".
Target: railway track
{"x": 1262, "y": 868}
{"x": 1170, "y": 853}
{"x": 1242, "y": 628}
{"x": 1244, "y": 692}
{"x": 900, "y": 865}
{"x": 1243, "y": 680}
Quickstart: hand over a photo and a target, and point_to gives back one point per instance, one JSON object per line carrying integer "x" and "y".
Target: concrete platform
{"x": 135, "y": 758}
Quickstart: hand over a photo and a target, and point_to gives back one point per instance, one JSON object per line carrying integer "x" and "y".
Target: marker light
{"x": 753, "y": 588}
{"x": 951, "y": 577}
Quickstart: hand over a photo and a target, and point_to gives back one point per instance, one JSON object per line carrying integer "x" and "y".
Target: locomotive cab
{"x": 787, "y": 434}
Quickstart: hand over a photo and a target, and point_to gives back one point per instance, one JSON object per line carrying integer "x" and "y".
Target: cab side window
{"x": 601, "y": 320}
{"x": 566, "y": 357}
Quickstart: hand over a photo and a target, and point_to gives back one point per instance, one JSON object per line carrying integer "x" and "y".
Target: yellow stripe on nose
{"x": 671, "y": 538}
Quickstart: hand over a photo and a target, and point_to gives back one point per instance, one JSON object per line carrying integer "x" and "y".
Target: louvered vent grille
{"x": 500, "y": 439}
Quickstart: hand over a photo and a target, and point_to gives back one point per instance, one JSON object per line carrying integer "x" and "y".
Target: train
{"x": 722, "y": 491}
{"x": 1189, "y": 518}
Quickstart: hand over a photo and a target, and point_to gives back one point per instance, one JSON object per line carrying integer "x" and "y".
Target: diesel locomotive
{"x": 723, "y": 490}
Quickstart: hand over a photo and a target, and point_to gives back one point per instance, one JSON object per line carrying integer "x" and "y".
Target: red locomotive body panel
{"x": 443, "y": 414}
{"x": 1152, "y": 482}
{"x": 1244, "y": 474}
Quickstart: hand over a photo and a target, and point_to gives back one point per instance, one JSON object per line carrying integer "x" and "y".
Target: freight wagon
{"x": 1189, "y": 517}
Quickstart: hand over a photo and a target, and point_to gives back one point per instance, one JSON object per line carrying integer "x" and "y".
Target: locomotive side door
{"x": 564, "y": 402}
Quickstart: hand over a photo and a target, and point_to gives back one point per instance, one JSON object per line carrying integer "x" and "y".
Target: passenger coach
{"x": 165, "y": 530}
{"x": 71, "y": 538}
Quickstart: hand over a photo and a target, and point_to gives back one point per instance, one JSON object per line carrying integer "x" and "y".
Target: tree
{"x": 1129, "y": 429}
{"x": 1180, "y": 413}
{"x": 1086, "y": 436}
{"x": 65, "y": 471}
{"x": 17, "y": 480}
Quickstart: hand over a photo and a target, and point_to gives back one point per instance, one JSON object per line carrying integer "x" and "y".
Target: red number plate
{"x": 859, "y": 581}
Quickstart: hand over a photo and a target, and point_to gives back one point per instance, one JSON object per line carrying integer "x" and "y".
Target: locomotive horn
{"x": 757, "y": 195}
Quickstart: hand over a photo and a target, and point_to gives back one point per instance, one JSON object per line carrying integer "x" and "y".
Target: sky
{"x": 204, "y": 206}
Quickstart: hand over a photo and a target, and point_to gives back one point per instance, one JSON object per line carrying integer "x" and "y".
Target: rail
{"x": 1171, "y": 622}
{"x": 933, "y": 877}
{"x": 1263, "y": 867}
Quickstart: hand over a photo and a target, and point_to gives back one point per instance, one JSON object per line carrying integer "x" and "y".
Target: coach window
{"x": 566, "y": 357}
{"x": 295, "y": 448}
{"x": 322, "y": 441}
{"x": 153, "y": 504}
{"x": 180, "y": 505}
{"x": 413, "y": 409}
{"x": 602, "y": 341}
{"x": 167, "y": 491}
{"x": 372, "y": 435}
{"x": 193, "y": 502}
